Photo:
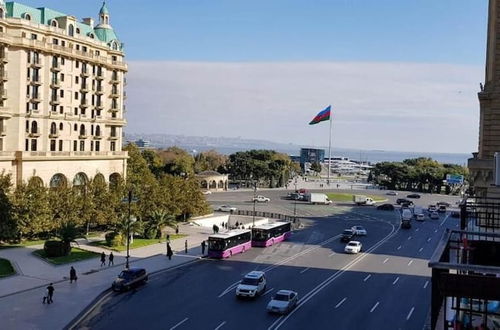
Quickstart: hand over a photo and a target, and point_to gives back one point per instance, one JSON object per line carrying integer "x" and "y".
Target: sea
{"x": 371, "y": 156}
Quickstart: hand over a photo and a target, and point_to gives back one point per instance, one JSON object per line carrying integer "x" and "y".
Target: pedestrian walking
{"x": 176, "y": 230}
{"x": 216, "y": 229}
{"x": 50, "y": 293}
{"x": 103, "y": 259}
{"x": 186, "y": 246}
{"x": 203, "y": 245}
{"x": 111, "y": 259}
{"x": 72, "y": 275}
{"x": 168, "y": 238}
{"x": 213, "y": 228}
{"x": 169, "y": 252}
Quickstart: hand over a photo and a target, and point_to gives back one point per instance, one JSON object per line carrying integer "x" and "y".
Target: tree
{"x": 125, "y": 226}
{"x": 210, "y": 161}
{"x": 156, "y": 222}
{"x": 8, "y": 225}
{"x": 177, "y": 161}
{"x": 316, "y": 167}
{"x": 68, "y": 233}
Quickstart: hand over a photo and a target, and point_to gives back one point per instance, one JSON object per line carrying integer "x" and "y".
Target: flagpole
{"x": 329, "y": 151}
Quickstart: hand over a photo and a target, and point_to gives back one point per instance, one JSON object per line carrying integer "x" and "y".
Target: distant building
{"x": 61, "y": 97}
{"x": 142, "y": 144}
{"x": 309, "y": 155}
{"x": 213, "y": 181}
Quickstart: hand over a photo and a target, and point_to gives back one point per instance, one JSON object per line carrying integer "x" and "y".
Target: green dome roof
{"x": 105, "y": 34}
{"x": 104, "y": 10}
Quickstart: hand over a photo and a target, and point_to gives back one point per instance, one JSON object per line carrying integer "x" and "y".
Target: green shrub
{"x": 114, "y": 239}
{"x": 56, "y": 249}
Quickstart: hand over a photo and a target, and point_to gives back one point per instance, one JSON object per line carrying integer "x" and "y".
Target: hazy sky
{"x": 399, "y": 74}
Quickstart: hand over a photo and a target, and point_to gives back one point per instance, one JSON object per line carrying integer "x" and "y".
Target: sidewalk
{"x": 21, "y": 295}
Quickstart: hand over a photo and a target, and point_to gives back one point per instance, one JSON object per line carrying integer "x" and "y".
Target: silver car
{"x": 283, "y": 302}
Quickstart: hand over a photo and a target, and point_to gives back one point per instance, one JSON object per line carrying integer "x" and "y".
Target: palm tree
{"x": 158, "y": 220}
{"x": 68, "y": 233}
{"x": 126, "y": 226}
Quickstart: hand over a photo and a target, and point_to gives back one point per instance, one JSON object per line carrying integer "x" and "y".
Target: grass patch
{"x": 23, "y": 244}
{"x": 75, "y": 255}
{"x": 6, "y": 268}
{"x": 138, "y": 243}
{"x": 336, "y": 197}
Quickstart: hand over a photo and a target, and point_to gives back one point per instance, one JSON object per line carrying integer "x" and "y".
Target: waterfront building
{"x": 61, "y": 97}
{"x": 309, "y": 156}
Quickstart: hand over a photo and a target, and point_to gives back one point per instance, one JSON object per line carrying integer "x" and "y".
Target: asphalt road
{"x": 385, "y": 287}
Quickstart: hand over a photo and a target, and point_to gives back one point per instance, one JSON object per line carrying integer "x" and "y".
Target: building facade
{"x": 61, "y": 97}
{"x": 309, "y": 155}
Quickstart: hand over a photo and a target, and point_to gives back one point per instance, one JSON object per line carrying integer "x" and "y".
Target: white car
{"x": 353, "y": 247}
{"x": 432, "y": 208}
{"x": 252, "y": 285}
{"x": 434, "y": 215}
{"x": 359, "y": 230}
{"x": 392, "y": 193}
{"x": 207, "y": 192}
{"x": 283, "y": 302}
{"x": 261, "y": 199}
{"x": 226, "y": 208}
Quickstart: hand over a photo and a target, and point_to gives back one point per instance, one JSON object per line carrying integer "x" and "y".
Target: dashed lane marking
{"x": 305, "y": 270}
{"x": 366, "y": 278}
{"x": 178, "y": 324}
{"x": 396, "y": 280}
{"x": 386, "y": 259}
{"x": 409, "y": 314}
{"x": 409, "y": 238}
{"x": 220, "y": 325}
{"x": 399, "y": 247}
{"x": 410, "y": 262}
{"x": 268, "y": 291}
{"x": 420, "y": 250}
{"x": 426, "y": 283}
{"x": 341, "y": 302}
{"x": 374, "y": 307}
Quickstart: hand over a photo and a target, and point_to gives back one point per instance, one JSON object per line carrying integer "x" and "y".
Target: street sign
{"x": 454, "y": 179}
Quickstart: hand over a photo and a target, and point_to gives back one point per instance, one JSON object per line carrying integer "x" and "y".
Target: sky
{"x": 399, "y": 74}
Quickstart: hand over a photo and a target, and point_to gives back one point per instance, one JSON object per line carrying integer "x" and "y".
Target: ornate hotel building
{"x": 61, "y": 97}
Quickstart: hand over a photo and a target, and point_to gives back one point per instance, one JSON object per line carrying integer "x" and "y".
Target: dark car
{"x": 403, "y": 201}
{"x": 386, "y": 207}
{"x": 129, "y": 278}
{"x": 443, "y": 203}
{"x": 347, "y": 235}
{"x": 413, "y": 196}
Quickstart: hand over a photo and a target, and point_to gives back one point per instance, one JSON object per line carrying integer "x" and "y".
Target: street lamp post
{"x": 129, "y": 199}
{"x": 295, "y": 201}
{"x": 254, "y": 201}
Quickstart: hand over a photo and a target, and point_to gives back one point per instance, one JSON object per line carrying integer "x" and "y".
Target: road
{"x": 385, "y": 287}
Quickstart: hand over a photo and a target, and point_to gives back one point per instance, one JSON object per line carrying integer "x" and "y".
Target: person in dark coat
{"x": 203, "y": 245}
{"x": 111, "y": 259}
{"x": 50, "y": 293}
{"x": 214, "y": 228}
{"x": 103, "y": 259}
{"x": 186, "y": 246}
{"x": 169, "y": 252}
{"x": 176, "y": 229}
{"x": 72, "y": 275}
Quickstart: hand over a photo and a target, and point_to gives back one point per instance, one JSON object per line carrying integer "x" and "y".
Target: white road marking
{"x": 332, "y": 254}
{"x": 305, "y": 270}
{"x": 410, "y": 262}
{"x": 420, "y": 250}
{"x": 220, "y": 325}
{"x": 409, "y": 314}
{"x": 341, "y": 302}
{"x": 445, "y": 218}
{"x": 396, "y": 280}
{"x": 417, "y": 229}
{"x": 374, "y": 306}
{"x": 386, "y": 259}
{"x": 178, "y": 324}
{"x": 268, "y": 291}
{"x": 409, "y": 238}
{"x": 435, "y": 230}
{"x": 366, "y": 278}
{"x": 426, "y": 283}
{"x": 429, "y": 239}
{"x": 399, "y": 247}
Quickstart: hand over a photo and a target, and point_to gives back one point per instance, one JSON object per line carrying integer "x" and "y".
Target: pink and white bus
{"x": 270, "y": 233}
{"x": 226, "y": 244}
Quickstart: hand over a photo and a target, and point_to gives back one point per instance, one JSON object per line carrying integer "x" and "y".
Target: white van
{"x": 419, "y": 213}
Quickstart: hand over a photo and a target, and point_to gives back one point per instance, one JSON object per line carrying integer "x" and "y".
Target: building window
{"x": 77, "y": 64}
{"x": 98, "y": 131}
{"x": 61, "y": 93}
{"x": 75, "y": 145}
{"x": 55, "y": 41}
{"x": 91, "y": 145}
{"x": 54, "y": 108}
{"x": 71, "y": 30}
{"x": 26, "y": 145}
{"x": 113, "y": 146}
{"x": 97, "y": 146}
{"x": 61, "y": 109}
{"x": 34, "y": 127}
{"x": 63, "y": 43}
{"x": 82, "y": 145}
{"x": 62, "y": 59}
{"x": 27, "y": 126}
{"x": 33, "y": 144}
{"x": 61, "y": 126}
{"x": 52, "y": 145}
{"x": 82, "y": 130}
{"x": 60, "y": 145}
{"x": 62, "y": 76}
{"x": 77, "y": 30}
{"x": 53, "y": 129}
{"x": 53, "y": 23}
{"x": 77, "y": 80}
{"x": 34, "y": 36}
{"x": 75, "y": 127}
{"x": 76, "y": 95}
{"x": 77, "y": 47}
{"x": 76, "y": 111}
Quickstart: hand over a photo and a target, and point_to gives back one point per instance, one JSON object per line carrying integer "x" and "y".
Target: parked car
{"x": 359, "y": 230}
{"x": 347, "y": 235}
{"x": 420, "y": 217}
{"x": 386, "y": 207}
{"x": 252, "y": 285}
{"x": 130, "y": 278}
{"x": 226, "y": 208}
{"x": 434, "y": 215}
{"x": 207, "y": 192}
{"x": 283, "y": 302}
{"x": 407, "y": 204}
{"x": 391, "y": 193}
{"x": 413, "y": 196}
{"x": 441, "y": 209}
{"x": 353, "y": 247}
{"x": 261, "y": 199}
{"x": 446, "y": 204}
{"x": 432, "y": 208}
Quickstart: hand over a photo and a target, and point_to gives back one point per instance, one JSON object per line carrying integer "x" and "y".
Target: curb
{"x": 75, "y": 322}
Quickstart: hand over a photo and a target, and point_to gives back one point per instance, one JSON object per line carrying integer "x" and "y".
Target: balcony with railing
{"x": 3, "y": 75}
{"x": 35, "y": 80}
{"x": 99, "y": 75}
{"x": 4, "y": 56}
{"x": 56, "y": 66}
{"x": 99, "y": 90}
{"x": 54, "y": 134}
{"x": 34, "y": 133}
{"x": 84, "y": 103}
{"x": 115, "y": 93}
{"x": 115, "y": 79}
{"x": 36, "y": 62}
{"x": 55, "y": 83}
{"x": 35, "y": 98}
{"x": 99, "y": 105}
{"x": 84, "y": 88}
{"x": 85, "y": 73}
{"x": 83, "y": 134}
{"x": 55, "y": 100}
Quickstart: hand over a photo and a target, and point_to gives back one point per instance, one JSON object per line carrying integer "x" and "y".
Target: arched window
{"x": 99, "y": 179}
{"x": 204, "y": 184}
{"x": 75, "y": 127}
{"x": 61, "y": 126}
{"x": 26, "y": 16}
{"x": 35, "y": 181}
{"x": 114, "y": 180}
{"x": 98, "y": 130}
{"x": 71, "y": 30}
{"x": 58, "y": 180}
{"x": 53, "y": 23}
{"x": 91, "y": 35}
{"x": 80, "y": 179}
{"x": 2, "y": 13}
{"x": 82, "y": 130}
{"x": 221, "y": 184}
{"x": 53, "y": 129}
{"x": 34, "y": 127}
{"x": 77, "y": 30}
